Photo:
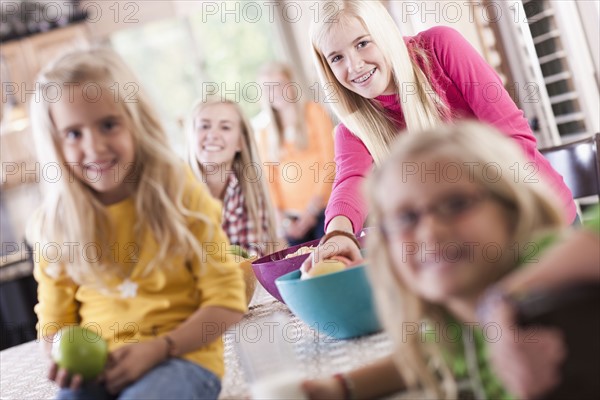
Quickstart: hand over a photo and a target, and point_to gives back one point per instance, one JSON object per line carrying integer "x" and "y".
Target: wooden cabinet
{"x": 24, "y": 58}
{"x": 43, "y": 48}
{"x": 15, "y": 68}
{"x": 21, "y": 62}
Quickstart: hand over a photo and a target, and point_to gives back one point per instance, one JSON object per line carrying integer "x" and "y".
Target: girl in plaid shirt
{"x": 224, "y": 156}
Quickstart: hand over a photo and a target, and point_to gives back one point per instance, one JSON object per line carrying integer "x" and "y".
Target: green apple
{"x": 239, "y": 251}
{"x": 80, "y": 351}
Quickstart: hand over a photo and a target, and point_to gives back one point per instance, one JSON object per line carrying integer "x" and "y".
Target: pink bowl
{"x": 274, "y": 265}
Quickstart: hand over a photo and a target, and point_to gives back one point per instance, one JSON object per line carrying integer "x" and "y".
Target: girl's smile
{"x": 101, "y": 166}
{"x": 212, "y": 148}
{"x": 365, "y": 77}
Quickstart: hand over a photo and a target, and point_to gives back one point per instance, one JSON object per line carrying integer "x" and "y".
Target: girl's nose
{"x": 95, "y": 143}
{"x": 212, "y": 133}
{"x": 356, "y": 63}
{"x": 431, "y": 229}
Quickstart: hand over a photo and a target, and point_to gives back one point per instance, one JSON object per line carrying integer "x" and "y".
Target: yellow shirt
{"x": 153, "y": 304}
{"x": 302, "y": 173}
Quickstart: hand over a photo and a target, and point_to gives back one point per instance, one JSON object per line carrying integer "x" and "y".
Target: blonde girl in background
{"x": 137, "y": 239}
{"x": 297, "y": 142}
{"x": 381, "y": 83}
{"x": 223, "y": 154}
{"x": 445, "y": 240}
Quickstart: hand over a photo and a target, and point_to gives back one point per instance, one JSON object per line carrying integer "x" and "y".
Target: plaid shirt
{"x": 236, "y": 222}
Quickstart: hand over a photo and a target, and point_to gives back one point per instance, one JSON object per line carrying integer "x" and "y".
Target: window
{"x": 548, "y": 46}
{"x": 180, "y": 60}
{"x": 555, "y": 67}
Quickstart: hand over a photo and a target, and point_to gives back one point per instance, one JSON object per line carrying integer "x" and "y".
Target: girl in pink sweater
{"x": 381, "y": 83}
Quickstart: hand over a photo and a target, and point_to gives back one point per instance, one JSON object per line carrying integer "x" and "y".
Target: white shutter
{"x": 550, "y": 47}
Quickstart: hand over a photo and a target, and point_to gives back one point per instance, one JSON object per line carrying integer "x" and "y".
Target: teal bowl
{"x": 339, "y": 305}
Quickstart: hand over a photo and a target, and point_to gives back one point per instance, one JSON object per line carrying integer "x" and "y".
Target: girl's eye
{"x": 225, "y": 127}
{"x": 73, "y": 135}
{"x": 455, "y": 205}
{"x": 407, "y": 218}
{"x": 335, "y": 59}
{"x": 204, "y": 126}
{"x": 402, "y": 222}
{"x": 108, "y": 125}
{"x": 362, "y": 44}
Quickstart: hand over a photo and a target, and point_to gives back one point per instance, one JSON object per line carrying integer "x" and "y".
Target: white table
{"x": 316, "y": 355}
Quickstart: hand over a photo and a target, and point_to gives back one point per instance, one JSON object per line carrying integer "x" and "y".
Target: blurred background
{"x": 546, "y": 52}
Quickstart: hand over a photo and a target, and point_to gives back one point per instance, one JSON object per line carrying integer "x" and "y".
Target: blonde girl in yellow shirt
{"x": 127, "y": 242}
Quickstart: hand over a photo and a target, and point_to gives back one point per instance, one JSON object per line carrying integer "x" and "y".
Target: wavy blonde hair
{"x": 531, "y": 207}
{"x": 275, "y": 130}
{"x": 366, "y": 118}
{"x": 71, "y": 213}
{"x": 256, "y": 195}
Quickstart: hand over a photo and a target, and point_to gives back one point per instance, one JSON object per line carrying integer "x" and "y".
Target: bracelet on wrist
{"x": 347, "y": 386}
{"x": 336, "y": 232}
{"x": 170, "y": 347}
{"x": 491, "y": 298}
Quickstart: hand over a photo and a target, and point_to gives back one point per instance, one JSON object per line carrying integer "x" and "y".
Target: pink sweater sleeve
{"x": 482, "y": 89}
{"x": 479, "y": 85}
{"x": 353, "y": 162}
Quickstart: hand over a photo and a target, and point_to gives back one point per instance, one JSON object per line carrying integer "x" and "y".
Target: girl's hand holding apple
{"x": 63, "y": 379}
{"x": 78, "y": 354}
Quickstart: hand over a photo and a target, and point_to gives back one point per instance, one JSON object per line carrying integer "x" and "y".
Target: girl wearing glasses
{"x": 454, "y": 222}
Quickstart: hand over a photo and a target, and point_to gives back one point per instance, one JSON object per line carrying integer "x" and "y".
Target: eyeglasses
{"x": 446, "y": 209}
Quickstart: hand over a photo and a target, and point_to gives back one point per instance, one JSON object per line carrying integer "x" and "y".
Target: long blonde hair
{"x": 275, "y": 129}
{"x": 532, "y": 209}
{"x": 364, "y": 117}
{"x": 71, "y": 213}
{"x": 254, "y": 188}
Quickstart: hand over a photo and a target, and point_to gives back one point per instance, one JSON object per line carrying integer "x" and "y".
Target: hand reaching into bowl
{"x": 335, "y": 243}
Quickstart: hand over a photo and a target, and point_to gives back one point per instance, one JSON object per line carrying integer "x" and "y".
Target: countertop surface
{"x": 24, "y": 367}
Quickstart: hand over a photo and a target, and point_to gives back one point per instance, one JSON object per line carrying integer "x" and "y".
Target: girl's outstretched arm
{"x": 353, "y": 163}
{"x": 201, "y": 328}
{"x": 575, "y": 259}
{"x": 372, "y": 381}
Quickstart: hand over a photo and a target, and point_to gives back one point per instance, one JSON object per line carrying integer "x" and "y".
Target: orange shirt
{"x": 301, "y": 174}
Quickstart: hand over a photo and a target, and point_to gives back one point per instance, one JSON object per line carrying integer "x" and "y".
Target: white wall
{"x": 589, "y": 12}
{"x": 107, "y": 17}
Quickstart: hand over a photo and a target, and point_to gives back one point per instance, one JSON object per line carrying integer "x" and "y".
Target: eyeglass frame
{"x": 475, "y": 199}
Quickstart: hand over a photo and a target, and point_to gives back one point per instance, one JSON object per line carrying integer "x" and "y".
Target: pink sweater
{"x": 471, "y": 89}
